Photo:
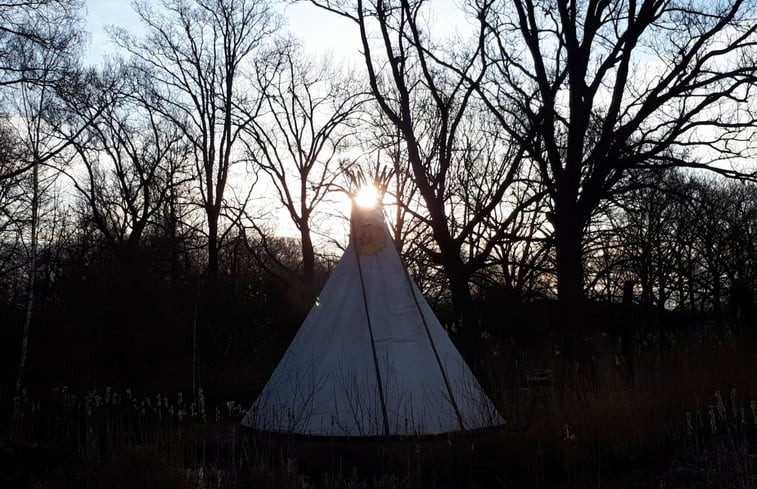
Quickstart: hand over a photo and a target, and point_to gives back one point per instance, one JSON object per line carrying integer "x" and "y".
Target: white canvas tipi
{"x": 371, "y": 358}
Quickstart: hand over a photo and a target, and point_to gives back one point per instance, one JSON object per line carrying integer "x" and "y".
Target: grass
{"x": 678, "y": 414}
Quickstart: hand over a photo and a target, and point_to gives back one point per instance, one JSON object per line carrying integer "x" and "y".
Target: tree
{"x": 40, "y": 25}
{"x": 687, "y": 241}
{"x": 39, "y": 40}
{"x": 597, "y": 88}
{"x": 311, "y": 112}
{"x": 428, "y": 94}
{"x": 196, "y": 52}
{"x": 524, "y": 256}
{"x": 637, "y": 239}
{"x": 132, "y": 157}
{"x": 11, "y": 189}
{"x": 717, "y": 209}
{"x": 39, "y": 121}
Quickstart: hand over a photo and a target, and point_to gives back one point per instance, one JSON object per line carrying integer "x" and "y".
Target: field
{"x": 679, "y": 413}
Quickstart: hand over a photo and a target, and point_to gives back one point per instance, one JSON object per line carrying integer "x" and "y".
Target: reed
{"x": 684, "y": 414}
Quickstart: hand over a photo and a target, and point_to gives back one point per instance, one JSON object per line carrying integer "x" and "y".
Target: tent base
{"x": 404, "y": 456}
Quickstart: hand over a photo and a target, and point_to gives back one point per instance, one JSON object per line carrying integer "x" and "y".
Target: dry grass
{"x": 655, "y": 419}
{"x": 683, "y": 415}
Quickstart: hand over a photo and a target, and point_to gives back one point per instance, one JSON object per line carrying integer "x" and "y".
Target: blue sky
{"x": 100, "y": 13}
{"x": 319, "y": 31}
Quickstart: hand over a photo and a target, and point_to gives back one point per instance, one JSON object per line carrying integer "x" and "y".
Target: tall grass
{"x": 656, "y": 415}
{"x": 680, "y": 412}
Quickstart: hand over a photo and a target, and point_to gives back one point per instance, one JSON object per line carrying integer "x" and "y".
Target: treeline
{"x": 533, "y": 159}
{"x": 685, "y": 242}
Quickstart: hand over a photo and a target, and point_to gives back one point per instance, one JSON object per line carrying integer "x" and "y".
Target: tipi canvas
{"x": 371, "y": 358}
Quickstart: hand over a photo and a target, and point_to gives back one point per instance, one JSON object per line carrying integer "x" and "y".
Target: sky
{"x": 319, "y": 31}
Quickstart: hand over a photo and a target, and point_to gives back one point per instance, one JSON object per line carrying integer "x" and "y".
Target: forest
{"x": 573, "y": 188}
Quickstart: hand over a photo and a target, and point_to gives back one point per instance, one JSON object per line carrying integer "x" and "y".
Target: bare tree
{"x": 630, "y": 239}
{"x": 712, "y": 203}
{"x": 524, "y": 257}
{"x": 196, "y": 52}
{"x": 428, "y": 94}
{"x": 11, "y": 189}
{"x": 383, "y": 146}
{"x": 594, "y": 89}
{"x": 742, "y": 256}
{"x": 41, "y": 25}
{"x": 39, "y": 42}
{"x": 131, "y": 155}
{"x": 405, "y": 224}
{"x": 687, "y": 241}
{"x": 38, "y": 112}
{"x": 311, "y": 112}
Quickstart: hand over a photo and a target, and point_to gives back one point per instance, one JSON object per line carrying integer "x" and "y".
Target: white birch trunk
{"x": 26, "y": 333}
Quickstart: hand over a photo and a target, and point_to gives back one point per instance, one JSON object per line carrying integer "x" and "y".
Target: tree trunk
{"x": 462, "y": 302}
{"x": 212, "y": 250}
{"x": 717, "y": 292}
{"x": 26, "y": 333}
{"x": 570, "y": 283}
{"x": 210, "y": 298}
{"x": 308, "y": 254}
{"x": 172, "y": 237}
{"x": 196, "y": 384}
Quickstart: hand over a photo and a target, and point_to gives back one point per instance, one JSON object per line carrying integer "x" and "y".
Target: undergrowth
{"x": 678, "y": 414}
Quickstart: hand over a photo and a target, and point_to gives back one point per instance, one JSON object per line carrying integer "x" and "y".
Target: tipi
{"x": 371, "y": 358}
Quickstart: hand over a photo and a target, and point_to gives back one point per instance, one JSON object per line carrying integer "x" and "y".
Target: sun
{"x": 367, "y": 196}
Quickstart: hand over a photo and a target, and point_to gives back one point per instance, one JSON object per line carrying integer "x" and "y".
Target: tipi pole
{"x": 433, "y": 348}
{"x": 373, "y": 343}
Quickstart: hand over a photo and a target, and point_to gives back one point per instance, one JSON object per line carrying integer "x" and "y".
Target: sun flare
{"x": 367, "y": 196}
